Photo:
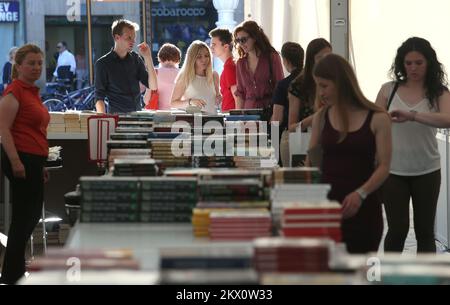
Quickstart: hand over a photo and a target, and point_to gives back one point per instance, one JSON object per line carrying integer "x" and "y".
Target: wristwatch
{"x": 362, "y": 193}
{"x": 414, "y": 113}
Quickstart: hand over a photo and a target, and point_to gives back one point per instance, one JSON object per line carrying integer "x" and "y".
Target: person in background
{"x": 355, "y": 135}
{"x": 292, "y": 55}
{"x": 23, "y": 129}
{"x": 222, "y": 48}
{"x": 7, "y": 69}
{"x": 419, "y": 102}
{"x": 302, "y": 92}
{"x": 82, "y": 72}
{"x": 65, "y": 58}
{"x": 258, "y": 68}
{"x": 118, "y": 73}
{"x": 169, "y": 57}
{"x": 197, "y": 84}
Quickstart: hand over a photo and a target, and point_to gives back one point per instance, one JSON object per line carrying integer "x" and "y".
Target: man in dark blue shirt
{"x": 119, "y": 72}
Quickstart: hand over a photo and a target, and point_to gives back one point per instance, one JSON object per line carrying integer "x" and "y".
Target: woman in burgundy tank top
{"x": 356, "y": 141}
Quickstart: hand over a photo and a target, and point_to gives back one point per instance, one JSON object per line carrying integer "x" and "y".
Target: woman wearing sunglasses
{"x": 258, "y": 68}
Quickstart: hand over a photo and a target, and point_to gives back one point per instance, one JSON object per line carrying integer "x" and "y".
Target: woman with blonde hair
{"x": 7, "y": 68}
{"x": 197, "y": 84}
{"x": 355, "y": 135}
{"x": 23, "y": 129}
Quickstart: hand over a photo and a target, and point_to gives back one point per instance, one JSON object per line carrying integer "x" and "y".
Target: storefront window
{"x": 180, "y": 22}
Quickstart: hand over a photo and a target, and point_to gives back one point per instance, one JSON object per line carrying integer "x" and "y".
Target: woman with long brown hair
{"x": 302, "y": 91}
{"x": 258, "y": 68}
{"x": 356, "y": 138}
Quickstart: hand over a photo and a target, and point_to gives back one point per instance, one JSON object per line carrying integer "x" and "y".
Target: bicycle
{"x": 81, "y": 99}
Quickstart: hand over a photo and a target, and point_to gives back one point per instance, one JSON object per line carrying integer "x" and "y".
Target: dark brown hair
{"x": 294, "y": 53}
{"x": 305, "y": 81}
{"x": 169, "y": 52}
{"x": 336, "y": 69}
{"x": 262, "y": 43}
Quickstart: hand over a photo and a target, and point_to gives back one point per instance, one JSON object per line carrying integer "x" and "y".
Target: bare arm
{"x": 239, "y": 102}
{"x": 217, "y": 88}
{"x": 9, "y": 106}
{"x": 178, "y": 100}
{"x": 294, "y": 109}
{"x": 315, "y": 133}
{"x": 382, "y": 97}
{"x": 278, "y": 113}
{"x": 100, "y": 106}
{"x": 439, "y": 119}
{"x": 177, "y": 96}
{"x": 144, "y": 49}
{"x": 307, "y": 122}
{"x": 233, "y": 92}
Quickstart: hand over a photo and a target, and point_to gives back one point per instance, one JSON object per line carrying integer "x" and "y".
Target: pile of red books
{"x": 312, "y": 220}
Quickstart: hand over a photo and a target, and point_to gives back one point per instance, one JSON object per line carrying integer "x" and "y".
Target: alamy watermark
{"x": 374, "y": 269}
{"x": 246, "y": 139}
{"x": 73, "y": 273}
{"x": 73, "y": 13}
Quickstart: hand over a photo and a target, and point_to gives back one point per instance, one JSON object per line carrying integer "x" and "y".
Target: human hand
{"x": 18, "y": 169}
{"x": 400, "y": 116}
{"x": 351, "y": 205}
{"x": 218, "y": 99}
{"x": 144, "y": 49}
{"x": 198, "y": 102}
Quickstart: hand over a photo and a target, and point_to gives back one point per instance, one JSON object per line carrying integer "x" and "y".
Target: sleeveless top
{"x": 201, "y": 89}
{"x": 414, "y": 146}
{"x": 347, "y": 165}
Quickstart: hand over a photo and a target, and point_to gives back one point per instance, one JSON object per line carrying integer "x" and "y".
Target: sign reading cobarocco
{"x": 178, "y": 12}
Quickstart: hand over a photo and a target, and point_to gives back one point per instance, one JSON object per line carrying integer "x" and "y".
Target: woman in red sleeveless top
{"x": 23, "y": 128}
{"x": 356, "y": 141}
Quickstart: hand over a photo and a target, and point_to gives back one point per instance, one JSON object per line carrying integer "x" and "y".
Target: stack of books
{"x": 313, "y": 220}
{"x": 99, "y": 260}
{"x": 207, "y": 265}
{"x": 240, "y": 224}
{"x": 57, "y": 123}
{"x": 286, "y": 194}
{"x": 135, "y": 167}
{"x": 167, "y": 199}
{"x": 110, "y": 199}
{"x": 72, "y": 121}
{"x": 280, "y": 255}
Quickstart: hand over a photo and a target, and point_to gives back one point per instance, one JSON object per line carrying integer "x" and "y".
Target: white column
{"x": 225, "y": 9}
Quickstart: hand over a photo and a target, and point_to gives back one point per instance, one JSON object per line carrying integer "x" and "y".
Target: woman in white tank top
{"x": 419, "y": 103}
{"x": 196, "y": 83}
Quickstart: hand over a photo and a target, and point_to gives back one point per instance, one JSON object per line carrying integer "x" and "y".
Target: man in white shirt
{"x": 65, "y": 58}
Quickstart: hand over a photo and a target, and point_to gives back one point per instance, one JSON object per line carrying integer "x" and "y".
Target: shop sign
{"x": 9, "y": 11}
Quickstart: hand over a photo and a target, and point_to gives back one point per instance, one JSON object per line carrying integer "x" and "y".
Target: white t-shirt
{"x": 66, "y": 59}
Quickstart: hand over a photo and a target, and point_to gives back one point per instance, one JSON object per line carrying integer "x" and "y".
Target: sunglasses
{"x": 241, "y": 40}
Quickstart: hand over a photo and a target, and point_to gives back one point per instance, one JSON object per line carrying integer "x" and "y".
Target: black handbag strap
{"x": 391, "y": 97}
